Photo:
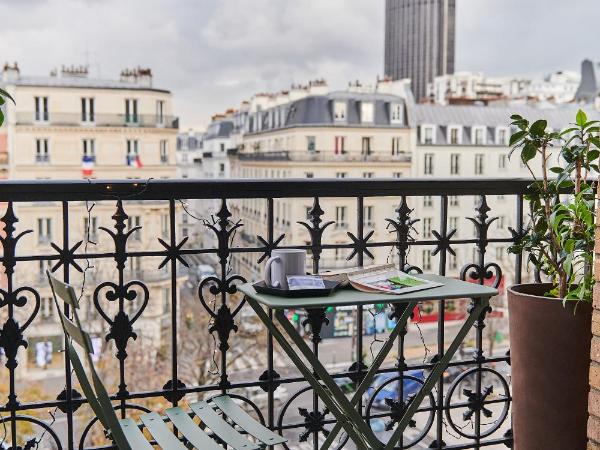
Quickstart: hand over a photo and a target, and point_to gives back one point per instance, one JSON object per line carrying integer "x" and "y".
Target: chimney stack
{"x": 10, "y": 74}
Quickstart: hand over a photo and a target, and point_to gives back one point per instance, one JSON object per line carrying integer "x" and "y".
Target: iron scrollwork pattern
{"x": 473, "y": 410}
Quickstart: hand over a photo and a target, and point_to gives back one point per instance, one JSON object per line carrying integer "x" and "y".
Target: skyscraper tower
{"x": 419, "y": 41}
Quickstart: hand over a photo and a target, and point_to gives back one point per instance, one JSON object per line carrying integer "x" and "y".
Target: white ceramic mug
{"x": 284, "y": 262}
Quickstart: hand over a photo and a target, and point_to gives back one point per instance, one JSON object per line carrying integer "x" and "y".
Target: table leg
{"x": 375, "y": 365}
{"x": 477, "y": 307}
{"x": 328, "y": 397}
{"x": 351, "y": 415}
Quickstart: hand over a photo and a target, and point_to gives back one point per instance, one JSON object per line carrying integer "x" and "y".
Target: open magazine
{"x": 383, "y": 278}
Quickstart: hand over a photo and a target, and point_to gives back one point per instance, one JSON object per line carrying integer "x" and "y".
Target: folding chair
{"x": 127, "y": 434}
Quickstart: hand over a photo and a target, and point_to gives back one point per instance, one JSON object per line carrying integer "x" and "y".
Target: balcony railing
{"x": 452, "y": 418}
{"x": 324, "y": 156}
{"x": 99, "y": 120}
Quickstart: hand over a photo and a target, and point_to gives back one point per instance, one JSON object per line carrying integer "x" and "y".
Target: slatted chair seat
{"x": 218, "y": 418}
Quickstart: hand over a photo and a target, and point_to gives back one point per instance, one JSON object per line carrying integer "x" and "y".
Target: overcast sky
{"x": 214, "y": 53}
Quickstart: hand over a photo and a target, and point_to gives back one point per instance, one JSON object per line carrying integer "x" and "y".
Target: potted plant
{"x": 550, "y": 321}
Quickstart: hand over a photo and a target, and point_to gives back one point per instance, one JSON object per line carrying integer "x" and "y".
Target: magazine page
{"x": 342, "y": 275}
{"x": 389, "y": 280}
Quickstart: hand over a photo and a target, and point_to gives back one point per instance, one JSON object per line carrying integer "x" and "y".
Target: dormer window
{"x": 396, "y": 113}
{"x": 502, "y": 134}
{"x": 479, "y": 135}
{"x": 427, "y": 134}
{"x": 339, "y": 111}
{"x": 366, "y": 112}
{"x": 454, "y": 135}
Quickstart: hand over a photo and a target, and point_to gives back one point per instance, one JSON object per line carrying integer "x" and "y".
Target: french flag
{"x": 87, "y": 166}
{"x": 134, "y": 160}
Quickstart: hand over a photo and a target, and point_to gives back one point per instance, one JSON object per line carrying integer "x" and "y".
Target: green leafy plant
{"x": 3, "y": 96}
{"x": 559, "y": 241}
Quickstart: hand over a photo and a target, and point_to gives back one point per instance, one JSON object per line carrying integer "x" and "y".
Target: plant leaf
{"x": 581, "y": 118}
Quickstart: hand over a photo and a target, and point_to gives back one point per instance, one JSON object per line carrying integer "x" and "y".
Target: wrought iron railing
{"x": 325, "y": 156}
{"x": 98, "y": 120}
{"x": 482, "y": 420}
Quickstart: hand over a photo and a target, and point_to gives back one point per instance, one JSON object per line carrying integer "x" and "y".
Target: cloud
{"x": 214, "y": 53}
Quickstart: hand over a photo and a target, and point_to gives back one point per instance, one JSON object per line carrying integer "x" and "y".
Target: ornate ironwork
{"x": 121, "y": 302}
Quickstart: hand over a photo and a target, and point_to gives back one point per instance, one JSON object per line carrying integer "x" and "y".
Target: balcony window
{"x": 453, "y": 223}
{"x": 427, "y": 227}
{"x": 428, "y": 159}
{"x": 133, "y": 222}
{"x": 366, "y": 146}
{"x": 43, "y": 265}
{"x": 41, "y": 109}
{"x": 452, "y": 261}
{"x": 397, "y": 113}
{"x": 131, "y": 111}
{"x": 397, "y": 146}
{"x": 426, "y": 259}
{"x": 340, "y": 145}
{"x": 42, "y": 151}
{"x": 502, "y": 161}
{"x": 160, "y": 112}
{"x": 368, "y": 216}
{"x": 366, "y": 112}
{"x": 454, "y": 200}
{"x": 47, "y": 308}
{"x": 164, "y": 154}
{"x": 311, "y": 144}
{"x": 339, "y": 111}
{"x": 164, "y": 225}
{"x": 501, "y": 223}
{"x": 44, "y": 229}
{"x": 90, "y": 229}
{"x": 428, "y": 201}
{"x": 340, "y": 217}
{"x": 479, "y": 164}
{"x": 89, "y": 148}
{"x": 87, "y": 110}
{"x": 133, "y": 148}
{"x": 455, "y": 163}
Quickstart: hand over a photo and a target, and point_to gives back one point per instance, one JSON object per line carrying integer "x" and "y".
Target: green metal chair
{"x": 127, "y": 434}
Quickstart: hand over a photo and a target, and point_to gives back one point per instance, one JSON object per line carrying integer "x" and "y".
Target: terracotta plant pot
{"x": 550, "y": 361}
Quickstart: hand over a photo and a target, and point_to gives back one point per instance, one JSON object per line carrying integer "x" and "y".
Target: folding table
{"x": 328, "y": 391}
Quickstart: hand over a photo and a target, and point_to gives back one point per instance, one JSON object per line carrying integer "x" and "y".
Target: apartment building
{"x": 469, "y": 87}
{"x": 69, "y": 125}
{"x": 470, "y": 142}
{"x": 311, "y": 132}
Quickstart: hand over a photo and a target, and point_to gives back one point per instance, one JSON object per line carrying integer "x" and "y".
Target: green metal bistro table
{"x": 344, "y": 409}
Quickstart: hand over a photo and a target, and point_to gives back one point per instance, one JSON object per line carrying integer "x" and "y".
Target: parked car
{"x": 260, "y": 398}
{"x": 346, "y": 384}
{"x": 391, "y": 390}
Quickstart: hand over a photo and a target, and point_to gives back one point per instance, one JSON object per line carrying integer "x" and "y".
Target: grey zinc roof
{"x": 493, "y": 116}
{"x": 221, "y": 129}
{"x": 81, "y": 82}
{"x": 318, "y": 109}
